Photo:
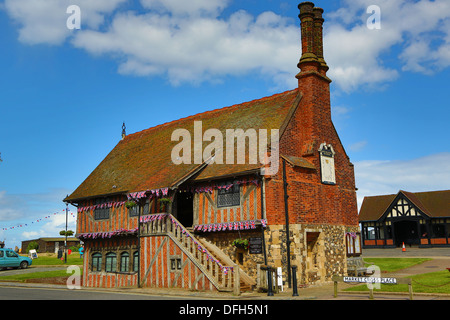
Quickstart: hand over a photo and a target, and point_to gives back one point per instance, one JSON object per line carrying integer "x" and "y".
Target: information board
{"x": 255, "y": 245}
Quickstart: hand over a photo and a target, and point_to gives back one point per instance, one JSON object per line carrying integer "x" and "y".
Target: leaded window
{"x": 124, "y": 262}
{"x": 134, "y": 211}
{"x": 135, "y": 261}
{"x": 111, "y": 262}
{"x": 101, "y": 211}
{"x": 97, "y": 261}
{"x": 228, "y": 195}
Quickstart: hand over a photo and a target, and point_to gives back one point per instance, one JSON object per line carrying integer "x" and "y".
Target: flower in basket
{"x": 130, "y": 204}
{"x": 241, "y": 243}
{"x": 164, "y": 202}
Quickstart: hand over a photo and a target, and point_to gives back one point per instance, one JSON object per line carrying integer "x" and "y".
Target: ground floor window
{"x": 124, "y": 262}
{"x": 111, "y": 262}
{"x": 97, "y": 261}
{"x": 118, "y": 260}
{"x": 135, "y": 261}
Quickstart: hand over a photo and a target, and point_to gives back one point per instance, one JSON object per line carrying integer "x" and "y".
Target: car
{"x": 8, "y": 258}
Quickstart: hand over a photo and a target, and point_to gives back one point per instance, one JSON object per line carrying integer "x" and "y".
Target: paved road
{"x": 28, "y": 293}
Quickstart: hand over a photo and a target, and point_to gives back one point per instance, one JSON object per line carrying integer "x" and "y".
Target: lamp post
{"x": 65, "y": 239}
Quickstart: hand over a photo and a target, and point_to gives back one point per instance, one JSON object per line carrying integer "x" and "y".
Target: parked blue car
{"x": 9, "y": 258}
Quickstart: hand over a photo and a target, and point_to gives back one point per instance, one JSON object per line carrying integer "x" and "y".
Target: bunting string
{"x": 22, "y": 225}
{"x": 131, "y": 196}
{"x": 230, "y": 226}
{"x": 103, "y": 235}
{"x": 211, "y": 187}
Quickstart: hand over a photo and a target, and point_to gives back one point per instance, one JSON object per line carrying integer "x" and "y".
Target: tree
{"x": 32, "y": 245}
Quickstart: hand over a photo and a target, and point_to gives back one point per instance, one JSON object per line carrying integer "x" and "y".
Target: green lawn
{"x": 395, "y": 264}
{"x": 434, "y": 282}
{"x": 52, "y": 260}
{"x": 36, "y": 275}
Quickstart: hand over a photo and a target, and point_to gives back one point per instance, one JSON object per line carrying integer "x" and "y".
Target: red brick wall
{"x": 310, "y": 201}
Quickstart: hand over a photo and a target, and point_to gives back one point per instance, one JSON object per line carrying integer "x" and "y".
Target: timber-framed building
{"x": 407, "y": 218}
{"x": 146, "y": 221}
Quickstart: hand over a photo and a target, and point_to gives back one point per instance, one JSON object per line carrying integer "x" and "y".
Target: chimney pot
{"x": 307, "y": 29}
{"x": 318, "y": 37}
{"x": 311, "y": 23}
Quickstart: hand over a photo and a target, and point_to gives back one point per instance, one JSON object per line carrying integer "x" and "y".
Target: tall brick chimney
{"x": 313, "y": 83}
{"x": 312, "y": 38}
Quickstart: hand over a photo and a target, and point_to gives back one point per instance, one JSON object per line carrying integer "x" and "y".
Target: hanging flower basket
{"x": 241, "y": 243}
{"x": 130, "y": 204}
{"x": 164, "y": 202}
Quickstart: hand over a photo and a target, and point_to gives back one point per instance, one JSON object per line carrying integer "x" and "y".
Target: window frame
{"x": 96, "y": 261}
{"x": 124, "y": 261}
{"x": 223, "y": 196}
{"x": 101, "y": 213}
{"x": 111, "y": 262}
{"x": 135, "y": 261}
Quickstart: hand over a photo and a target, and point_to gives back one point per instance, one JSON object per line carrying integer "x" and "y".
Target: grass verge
{"x": 434, "y": 282}
{"x": 36, "y": 275}
{"x": 395, "y": 264}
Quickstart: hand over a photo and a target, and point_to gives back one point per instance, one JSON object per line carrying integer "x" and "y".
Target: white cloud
{"x": 183, "y": 7}
{"x": 358, "y": 146}
{"x": 189, "y": 41}
{"x": 197, "y": 49}
{"x": 377, "y": 177}
{"x": 44, "y": 21}
{"x": 355, "y": 53}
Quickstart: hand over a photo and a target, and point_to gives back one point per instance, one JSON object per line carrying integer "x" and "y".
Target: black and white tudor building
{"x": 421, "y": 219}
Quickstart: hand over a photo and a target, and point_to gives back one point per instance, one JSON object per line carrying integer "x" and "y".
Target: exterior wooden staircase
{"x": 220, "y": 270}
{"x": 246, "y": 282}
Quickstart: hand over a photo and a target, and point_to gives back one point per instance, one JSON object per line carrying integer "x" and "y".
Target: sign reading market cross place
{"x": 370, "y": 280}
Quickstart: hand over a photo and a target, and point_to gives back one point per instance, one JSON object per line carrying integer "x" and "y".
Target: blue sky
{"x": 65, "y": 93}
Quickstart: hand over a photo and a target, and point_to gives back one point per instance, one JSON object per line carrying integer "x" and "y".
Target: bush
{"x": 33, "y": 245}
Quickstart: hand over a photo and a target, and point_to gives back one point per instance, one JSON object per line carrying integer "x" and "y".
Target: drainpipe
{"x": 286, "y": 214}
{"x": 262, "y": 217}
{"x": 139, "y": 246}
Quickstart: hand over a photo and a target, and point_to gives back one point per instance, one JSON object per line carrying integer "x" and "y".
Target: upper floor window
{"x": 133, "y": 210}
{"x": 227, "y": 197}
{"x": 102, "y": 210}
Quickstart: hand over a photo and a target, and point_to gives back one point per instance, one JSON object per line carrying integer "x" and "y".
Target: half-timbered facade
{"x": 421, "y": 219}
{"x": 149, "y": 219}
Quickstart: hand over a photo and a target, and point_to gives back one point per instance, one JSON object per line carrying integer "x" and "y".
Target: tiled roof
{"x": 435, "y": 204}
{"x": 142, "y": 161}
